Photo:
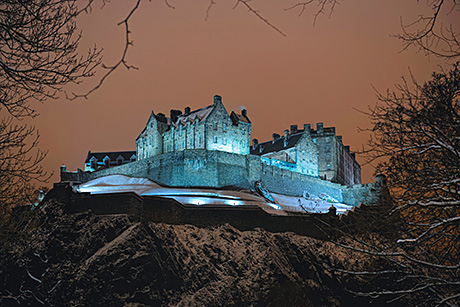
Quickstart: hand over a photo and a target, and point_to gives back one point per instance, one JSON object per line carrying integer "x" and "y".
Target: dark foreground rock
{"x": 88, "y": 260}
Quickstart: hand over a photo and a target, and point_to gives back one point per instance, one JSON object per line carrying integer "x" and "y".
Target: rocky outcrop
{"x": 83, "y": 259}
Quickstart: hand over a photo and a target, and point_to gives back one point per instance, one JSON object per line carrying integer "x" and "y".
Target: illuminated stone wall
{"x": 222, "y": 135}
{"x": 335, "y": 162}
{"x": 303, "y": 158}
{"x": 150, "y": 142}
{"x": 204, "y": 168}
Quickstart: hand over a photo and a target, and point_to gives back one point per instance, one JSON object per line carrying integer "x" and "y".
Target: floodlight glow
{"x": 197, "y": 201}
{"x": 232, "y": 203}
{"x": 274, "y": 206}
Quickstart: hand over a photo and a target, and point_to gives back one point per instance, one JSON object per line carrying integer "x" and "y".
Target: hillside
{"x": 85, "y": 259}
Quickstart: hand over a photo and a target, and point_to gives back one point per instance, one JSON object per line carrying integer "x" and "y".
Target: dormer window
{"x": 93, "y": 162}
{"x": 106, "y": 161}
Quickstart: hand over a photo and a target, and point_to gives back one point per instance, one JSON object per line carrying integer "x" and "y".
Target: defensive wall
{"x": 204, "y": 168}
{"x": 165, "y": 210}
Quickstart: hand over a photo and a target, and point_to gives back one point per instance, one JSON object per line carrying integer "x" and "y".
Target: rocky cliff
{"x": 87, "y": 260}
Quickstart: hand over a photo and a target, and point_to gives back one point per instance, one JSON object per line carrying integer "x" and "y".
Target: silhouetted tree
{"x": 38, "y": 52}
{"x": 38, "y": 57}
{"x": 435, "y": 31}
{"x": 416, "y": 142}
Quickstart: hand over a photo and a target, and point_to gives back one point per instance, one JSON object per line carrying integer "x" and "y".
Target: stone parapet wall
{"x": 285, "y": 182}
{"x": 361, "y": 193}
{"x": 204, "y": 168}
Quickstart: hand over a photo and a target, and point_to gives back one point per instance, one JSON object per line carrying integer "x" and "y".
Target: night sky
{"x": 315, "y": 74}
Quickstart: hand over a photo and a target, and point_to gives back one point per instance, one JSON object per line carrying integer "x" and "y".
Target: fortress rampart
{"x": 205, "y": 168}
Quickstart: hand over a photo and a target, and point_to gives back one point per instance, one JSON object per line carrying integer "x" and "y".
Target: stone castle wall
{"x": 203, "y": 168}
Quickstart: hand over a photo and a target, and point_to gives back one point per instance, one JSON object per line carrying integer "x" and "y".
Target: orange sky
{"x": 314, "y": 74}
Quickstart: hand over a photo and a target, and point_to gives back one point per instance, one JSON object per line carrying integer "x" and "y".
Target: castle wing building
{"x": 100, "y": 160}
{"x": 311, "y": 152}
{"x": 210, "y": 128}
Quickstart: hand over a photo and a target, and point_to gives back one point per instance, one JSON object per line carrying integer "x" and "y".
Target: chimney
{"x": 347, "y": 148}
{"x": 255, "y": 142}
{"x": 286, "y": 137}
{"x": 217, "y": 99}
{"x": 320, "y": 128}
{"x": 187, "y": 110}
{"x": 274, "y": 137}
{"x": 293, "y": 129}
{"x": 174, "y": 114}
{"x": 244, "y": 112}
{"x": 307, "y": 127}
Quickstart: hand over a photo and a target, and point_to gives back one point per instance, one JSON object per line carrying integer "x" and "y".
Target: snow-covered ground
{"x": 200, "y": 196}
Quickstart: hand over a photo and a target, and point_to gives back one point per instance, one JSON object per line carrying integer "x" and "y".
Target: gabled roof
{"x": 278, "y": 145}
{"x": 236, "y": 118}
{"x": 200, "y": 114}
{"x": 113, "y": 155}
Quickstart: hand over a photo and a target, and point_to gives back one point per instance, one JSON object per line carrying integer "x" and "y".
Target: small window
{"x": 215, "y": 125}
{"x": 215, "y": 139}
{"x": 328, "y": 167}
{"x": 224, "y": 127}
{"x": 224, "y": 140}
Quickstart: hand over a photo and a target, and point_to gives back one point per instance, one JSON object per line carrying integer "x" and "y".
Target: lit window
{"x": 224, "y": 141}
{"x": 224, "y": 127}
{"x": 215, "y": 139}
{"x": 215, "y": 125}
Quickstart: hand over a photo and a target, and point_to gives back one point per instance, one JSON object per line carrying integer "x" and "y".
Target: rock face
{"x": 84, "y": 259}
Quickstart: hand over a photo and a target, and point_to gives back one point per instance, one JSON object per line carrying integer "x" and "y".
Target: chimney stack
{"x": 187, "y": 110}
{"x": 217, "y": 99}
{"x": 255, "y": 142}
{"x": 286, "y": 137}
{"x": 174, "y": 114}
{"x": 320, "y": 128}
{"x": 307, "y": 127}
{"x": 274, "y": 137}
{"x": 244, "y": 112}
{"x": 293, "y": 129}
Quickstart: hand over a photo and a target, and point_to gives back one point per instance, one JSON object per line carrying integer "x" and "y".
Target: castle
{"x": 209, "y": 147}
